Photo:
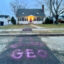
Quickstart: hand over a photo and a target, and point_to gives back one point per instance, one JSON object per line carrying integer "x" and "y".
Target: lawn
{"x": 51, "y": 25}
{"x": 12, "y": 26}
{"x": 49, "y": 32}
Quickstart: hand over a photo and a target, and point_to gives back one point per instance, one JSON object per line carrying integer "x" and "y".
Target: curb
{"x": 9, "y": 30}
{"x": 30, "y": 34}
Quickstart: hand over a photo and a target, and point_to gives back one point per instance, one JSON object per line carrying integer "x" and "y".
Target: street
{"x": 25, "y": 50}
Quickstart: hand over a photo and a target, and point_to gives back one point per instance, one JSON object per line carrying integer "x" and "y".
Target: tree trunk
{"x": 56, "y": 17}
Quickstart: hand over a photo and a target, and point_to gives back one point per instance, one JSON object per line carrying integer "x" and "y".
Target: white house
{"x": 5, "y": 19}
{"x": 27, "y": 16}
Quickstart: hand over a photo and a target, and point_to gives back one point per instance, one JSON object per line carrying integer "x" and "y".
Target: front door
{"x": 30, "y": 20}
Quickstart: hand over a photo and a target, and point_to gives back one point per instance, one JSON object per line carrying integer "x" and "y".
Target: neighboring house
{"x": 27, "y": 16}
{"x": 5, "y": 19}
{"x": 1, "y": 23}
{"x": 62, "y": 18}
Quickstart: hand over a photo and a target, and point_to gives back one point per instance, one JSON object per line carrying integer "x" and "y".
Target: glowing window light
{"x": 31, "y": 18}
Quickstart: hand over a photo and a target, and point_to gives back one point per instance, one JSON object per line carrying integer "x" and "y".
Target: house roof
{"x": 5, "y": 16}
{"x": 27, "y": 12}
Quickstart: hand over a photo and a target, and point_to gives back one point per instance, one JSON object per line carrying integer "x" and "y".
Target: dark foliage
{"x": 13, "y": 20}
{"x": 48, "y": 21}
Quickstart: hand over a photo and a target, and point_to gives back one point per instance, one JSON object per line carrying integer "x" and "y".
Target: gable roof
{"x": 4, "y": 16}
{"x": 27, "y": 12}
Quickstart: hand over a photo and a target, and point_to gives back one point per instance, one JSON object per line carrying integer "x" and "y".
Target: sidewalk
{"x": 34, "y": 31}
{"x": 3, "y": 30}
{"x": 30, "y": 34}
{"x": 37, "y": 29}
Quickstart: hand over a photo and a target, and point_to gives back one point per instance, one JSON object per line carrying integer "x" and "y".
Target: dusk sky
{"x": 5, "y": 7}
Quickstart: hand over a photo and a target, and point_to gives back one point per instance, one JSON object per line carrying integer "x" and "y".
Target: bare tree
{"x": 56, "y": 7}
{"x": 17, "y": 4}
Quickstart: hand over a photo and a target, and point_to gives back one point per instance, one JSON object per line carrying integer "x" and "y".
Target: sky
{"x": 5, "y": 7}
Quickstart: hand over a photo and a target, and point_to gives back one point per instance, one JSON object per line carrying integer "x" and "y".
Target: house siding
{"x": 23, "y": 20}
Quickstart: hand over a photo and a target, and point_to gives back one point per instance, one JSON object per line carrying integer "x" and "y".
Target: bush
{"x": 13, "y": 20}
{"x": 60, "y": 21}
{"x": 48, "y": 21}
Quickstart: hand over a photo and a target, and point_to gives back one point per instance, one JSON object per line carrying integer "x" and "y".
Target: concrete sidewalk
{"x": 38, "y": 27}
{"x": 34, "y": 29}
{"x": 8, "y": 30}
{"x": 54, "y": 43}
{"x": 30, "y": 34}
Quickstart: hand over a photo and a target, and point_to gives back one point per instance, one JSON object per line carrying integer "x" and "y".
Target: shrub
{"x": 48, "y": 21}
{"x": 13, "y": 20}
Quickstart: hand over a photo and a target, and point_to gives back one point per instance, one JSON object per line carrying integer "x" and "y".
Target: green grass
{"x": 12, "y": 26}
{"x": 49, "y": 32}
{"x": 51, "y": 25}
{"x": 41, "y": 25}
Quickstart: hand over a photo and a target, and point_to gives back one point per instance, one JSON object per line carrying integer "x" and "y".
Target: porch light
{"x": 31, "y": 18}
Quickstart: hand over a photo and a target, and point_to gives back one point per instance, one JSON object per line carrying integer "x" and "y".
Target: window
{"x": 38, "y": 18}
{"x": 22, "y": 18}
{"x": 18, "y": 19}
{"x": 35, "y": 19}
{"x": 25, "y": 19}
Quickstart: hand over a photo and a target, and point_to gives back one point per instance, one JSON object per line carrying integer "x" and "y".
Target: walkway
{"x": 38, "y": 27}
{"x": 27, "y": 50}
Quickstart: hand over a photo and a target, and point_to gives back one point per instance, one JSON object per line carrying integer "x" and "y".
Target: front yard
{"x": 40, "y": 25}
{"x": 11, "y": 26}
{"x": 53, "y": 28}
{"x": 14, "y": 26}
{"x": 51, "y": 25}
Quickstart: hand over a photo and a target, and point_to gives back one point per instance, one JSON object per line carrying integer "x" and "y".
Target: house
{"x": 4, "y": 20}
{"x": 1, "y": 23}
{"x": 61, "y": 19}
{"x": 27, "y": 16}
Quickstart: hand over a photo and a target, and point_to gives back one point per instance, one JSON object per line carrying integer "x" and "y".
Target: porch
{"x": 30, "y": 19}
